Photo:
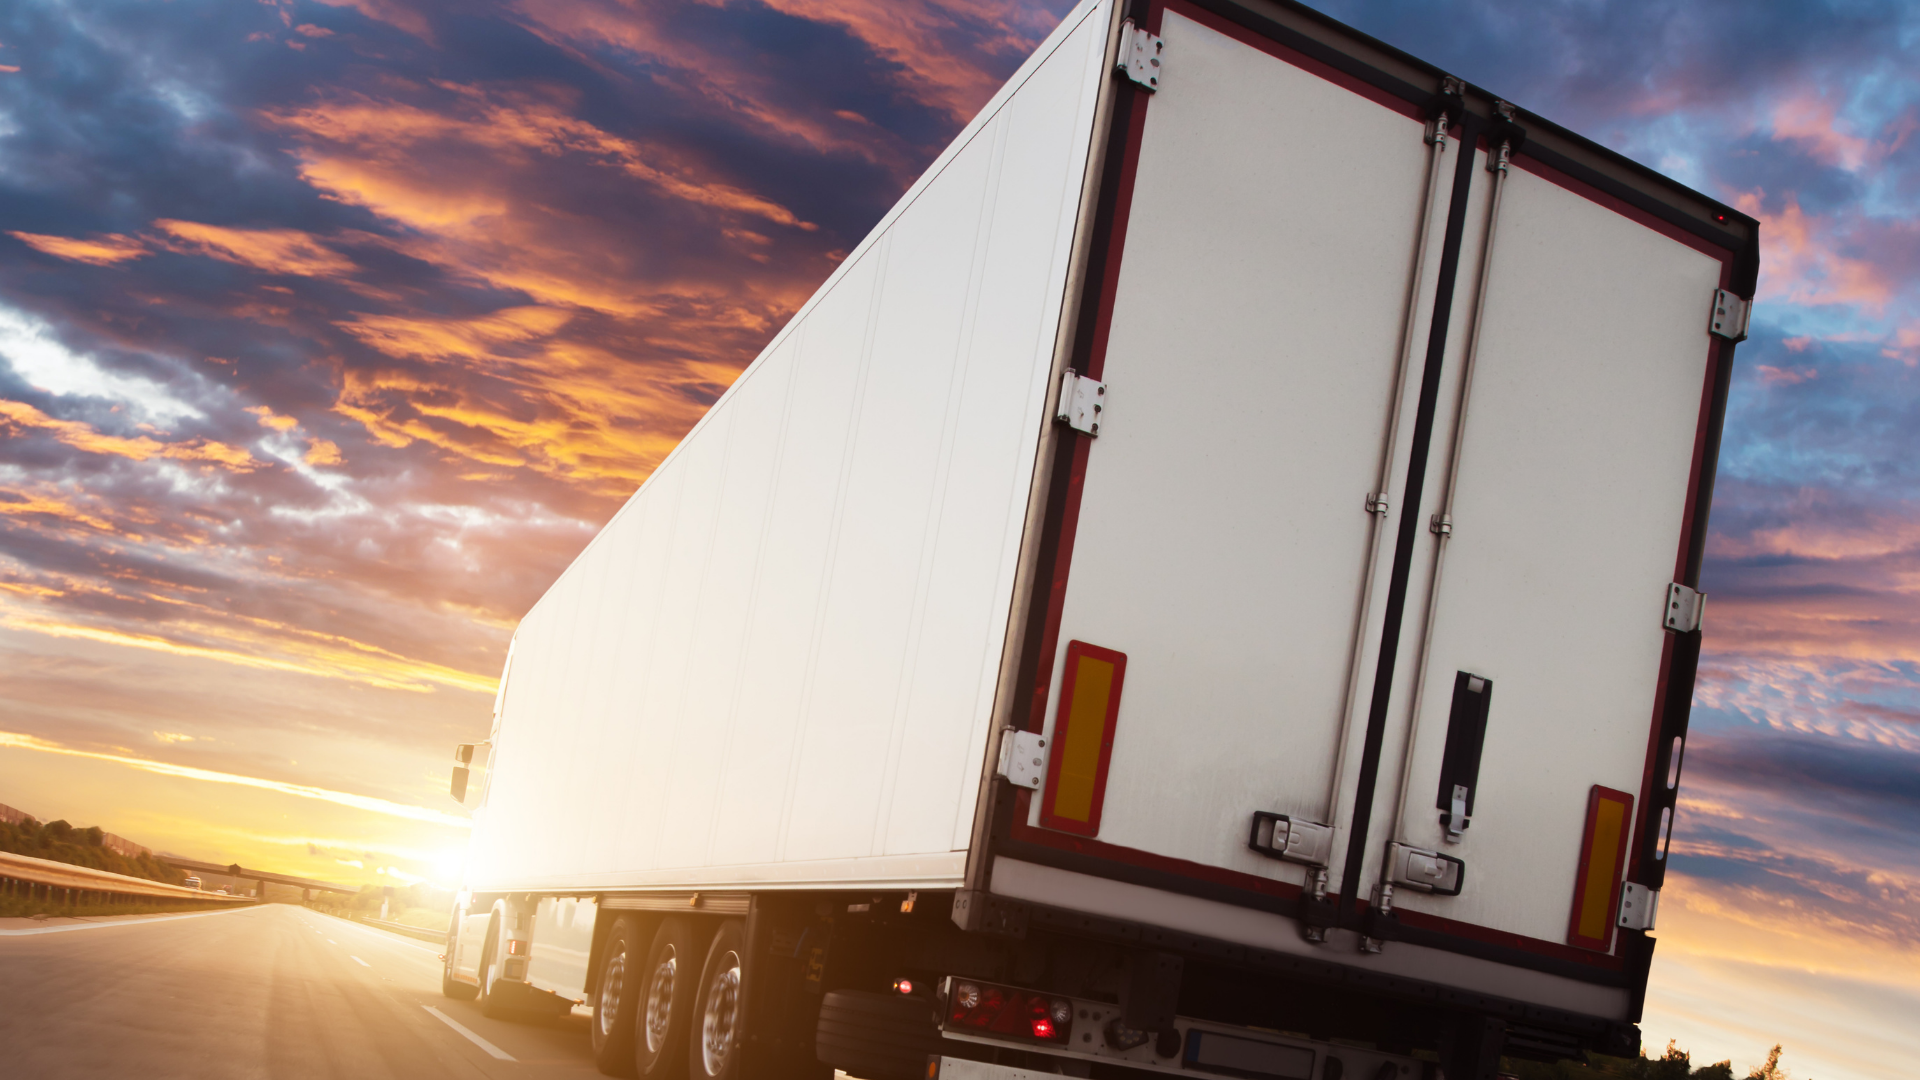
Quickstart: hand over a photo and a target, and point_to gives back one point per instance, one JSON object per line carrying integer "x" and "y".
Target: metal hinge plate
{"x": 1428, "y": 871}
{"x": 1081, "y": 402}
{"x": 1684, "y": 608}
{"x": 1140, "y": 55}
{"x": 1730, "y": 315}
{"x": 1278, "y": 836}
{"x": 1023, "y": 758}
{"x": 1638, "y": 906}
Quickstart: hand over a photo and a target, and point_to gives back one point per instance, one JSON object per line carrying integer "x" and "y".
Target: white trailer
{"x": 1208, "y": 586}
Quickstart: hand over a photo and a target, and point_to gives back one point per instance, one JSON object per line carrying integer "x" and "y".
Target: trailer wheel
{"x": 664, "y": 1008}
{"x": 614, "y": 1003}
{"x": 489, "y": 971}
{"x": 450, "y": 986}
{"x": 717, "y": 1035}
{"x": 876, "y": 1036}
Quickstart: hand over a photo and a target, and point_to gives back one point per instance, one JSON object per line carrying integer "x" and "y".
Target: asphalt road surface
{"x": 273, "y": 991}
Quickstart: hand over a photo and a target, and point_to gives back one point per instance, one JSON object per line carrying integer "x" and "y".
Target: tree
{"x": 1771, "y": 1070}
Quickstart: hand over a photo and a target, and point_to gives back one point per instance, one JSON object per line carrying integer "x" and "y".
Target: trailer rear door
{"x": 1581, "y": 450}
{"x": 1254, "y": 335}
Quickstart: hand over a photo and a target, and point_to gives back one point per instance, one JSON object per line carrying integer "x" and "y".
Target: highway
{"x": 270, "y": 991}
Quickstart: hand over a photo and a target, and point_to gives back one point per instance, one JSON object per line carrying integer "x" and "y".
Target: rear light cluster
{"x": 1005, "y": 1010}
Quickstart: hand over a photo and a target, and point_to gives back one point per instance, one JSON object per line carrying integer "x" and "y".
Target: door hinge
{"x": 1140, "y": 55}
{"x": 1428, "y": 871}
{"x": 1378, "y": 504}
{"x": 1638, "y": 906}
{"x": 1023, "y": 758}
{"x": 1730, "y": 315}
{"x": 1684, "y": 608}
{"x": 1081, "y": 402}
{"x": 1278, "y": 836}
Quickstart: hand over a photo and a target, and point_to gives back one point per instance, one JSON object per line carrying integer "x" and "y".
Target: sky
{"x": 330, "y": 330}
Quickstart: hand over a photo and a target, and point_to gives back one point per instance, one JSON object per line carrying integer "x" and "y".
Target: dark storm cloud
{"x": 1876, "y": 783}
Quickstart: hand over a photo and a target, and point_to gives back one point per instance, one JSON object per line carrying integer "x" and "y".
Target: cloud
{"x": 31, "y": 349}
{"x": 274, "y": 251}
{"x": 292, "y": 650}
{"x": 105, "y": 250}
{"x": 358, "y": 802}
{"x": 19, "y": 415}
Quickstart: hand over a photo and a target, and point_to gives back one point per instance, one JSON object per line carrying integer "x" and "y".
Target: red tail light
{"x": 1006, "y": 1010}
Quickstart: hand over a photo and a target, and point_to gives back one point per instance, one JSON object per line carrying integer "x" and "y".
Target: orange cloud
{"x": 276, "y": 251}
{"x": 375, "y": 129}
{"x": 323, "y": 452}
{"x": 268, "y": 419}
{"x": 82, "y": 437}
{"x": 1773, "y": 376}
{"x": 104, "y": 249}
{"x": 262, "y": 644}
{"x": 1809, "y": 118}
{"x": 466, "y": 339}
{"x": 392, "y": 12}
{"x": 1804, "y": 263}
{"x": 16, "y": 503}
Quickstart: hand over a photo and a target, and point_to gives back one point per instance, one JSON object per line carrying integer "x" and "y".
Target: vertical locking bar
{"x": 1505, "y": 138}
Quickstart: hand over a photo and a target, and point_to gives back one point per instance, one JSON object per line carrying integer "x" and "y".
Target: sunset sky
{"x": 331, "y": 331}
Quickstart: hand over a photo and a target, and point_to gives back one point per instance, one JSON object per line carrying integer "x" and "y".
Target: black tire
{"x": 877, "y": 1036}
{"x": 718, "y": 1031}
{"x": 616, "y": 997}
{"x": 664, "y": 1010}
{"x": 489, "y": 973}
{"x": 450, "y": 986}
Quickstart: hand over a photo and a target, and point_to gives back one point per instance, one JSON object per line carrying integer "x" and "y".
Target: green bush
{"x": 61, "y": 842}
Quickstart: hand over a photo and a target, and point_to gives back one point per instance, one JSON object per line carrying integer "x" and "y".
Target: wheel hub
{"x": 660, "y": 1002}
{"x": 612, "y": 984}
{"x": 717, "y": 1018}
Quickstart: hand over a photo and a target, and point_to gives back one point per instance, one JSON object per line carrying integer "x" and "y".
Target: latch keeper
{"x": 1278, "y": 836}
{"x": 1428, "y": 871}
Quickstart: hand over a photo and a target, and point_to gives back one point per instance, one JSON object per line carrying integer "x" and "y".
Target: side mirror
{"x": 459, "y": 789}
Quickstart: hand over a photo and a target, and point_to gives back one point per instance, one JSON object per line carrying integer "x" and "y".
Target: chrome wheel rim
{"x": 612, "y": 984}
{"x": 660, "y": 1002}
{"x": 717, "y": 1019}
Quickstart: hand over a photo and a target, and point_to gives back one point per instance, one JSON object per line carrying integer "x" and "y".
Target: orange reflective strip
{"x": 1603, "y": 851}
{"x": 1090, "y": 682}
{"x": 1080, "y": 748}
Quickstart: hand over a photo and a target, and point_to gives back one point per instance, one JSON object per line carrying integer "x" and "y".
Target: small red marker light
{"x": 903, "y": 986}
{"x": 1043, "y": 1028}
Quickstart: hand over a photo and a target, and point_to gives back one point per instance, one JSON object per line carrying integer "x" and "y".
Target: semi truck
{"x": 1207, "y": 587}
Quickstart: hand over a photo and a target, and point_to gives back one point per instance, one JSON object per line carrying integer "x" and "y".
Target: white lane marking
{"x": 121, "y": 922}
{"x": 359, "y": 961}
{"x": 475, "y": 1039}
{"x": 330, "y": 941}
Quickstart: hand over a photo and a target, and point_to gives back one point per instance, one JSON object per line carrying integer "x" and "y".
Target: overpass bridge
{"x": 307, "y": 886}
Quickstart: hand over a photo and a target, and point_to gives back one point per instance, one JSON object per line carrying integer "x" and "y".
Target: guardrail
{"x": 437, "y": 936}
{"x": 58, "y": 882}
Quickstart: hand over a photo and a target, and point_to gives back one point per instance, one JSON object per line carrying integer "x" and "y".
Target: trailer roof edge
{"x": 1552, "y": 144}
